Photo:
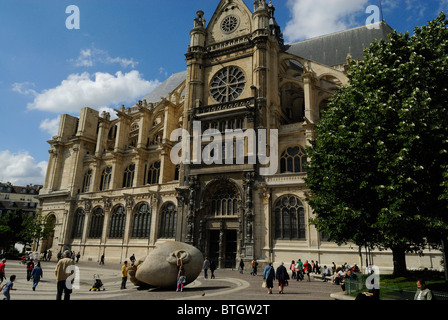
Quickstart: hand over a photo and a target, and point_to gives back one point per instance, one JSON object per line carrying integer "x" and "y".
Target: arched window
{"x": 117, "y": 222}
{"x": 141, "y": 221}
{"x": 168, "y": 221}
{"x": 153, "y": 173}
{"x": 293, "y": 160}
{"x": 78, "y": 223}
{"x": 96, "y": 223}
{"x": 86, "y": 181}
{"x": 106, "y": 177}
{"x": 289, "y": 219}
{"x": 225, "y": 202}
{"x": 128, "y": 176}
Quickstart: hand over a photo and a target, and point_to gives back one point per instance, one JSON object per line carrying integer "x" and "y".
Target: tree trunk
{"x": 445, "y": 255}
{"x": 399, "y": 259}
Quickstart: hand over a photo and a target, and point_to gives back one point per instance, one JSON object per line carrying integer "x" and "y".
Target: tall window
{"x": 153, "y": 173}
{"x": 78, "y": 223}
{"x": 128, "y": 176}
{"x": 168, "y": 222}
{"x": 225, "y": 202}
{"x": 141, "y": 221}
{"x": 86, "y": 181}
{"x": 289, "y": 219}
{"x": 292, "y": 160}
{"x": 117, "y": 222}
{"x": 96, "y": 223}
{"x": 106, "y": 177}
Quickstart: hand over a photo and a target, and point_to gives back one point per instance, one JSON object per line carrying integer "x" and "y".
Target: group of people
{"x": 209, "y": 265}
{"x": 281, "y": 275}
{"x": 33, "y": 271}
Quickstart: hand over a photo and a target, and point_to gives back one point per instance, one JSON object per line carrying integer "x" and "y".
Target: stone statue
{"x": 159, "y": 269}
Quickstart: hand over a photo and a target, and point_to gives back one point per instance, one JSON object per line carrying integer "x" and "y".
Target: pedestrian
{"x": 212, "y": 269}
{"x": 2, "y": 270}
{"x": 333, "y": 268}
{"x": 49, "y": 255}
{"x": 62, "y": 275}
{"x": 269, "y": 277}
{"x": 423, "y": 293}
{"x": 29, "y": 268}
{"x": 282, "y": 276}
{"x": 206, "y": 266}
{"x": 317, "y": 267}
{"x": 44, "y": 255}
{"x": 7, "y": 287}
{"x": 102, "y": 259}
{"x": 78, "y": 255}
{"x": 254, "y": 266}
{"x": 307, "y": 269}
{"x": 124, "y": 275}
{"x": 181, "y": 279}
{"x": 241, "y": 266}
{"x": 292, "y": 267}
{"x": 37, "y": 274}
{"x": 59, "y": 255}
{"x": 299, "y": 267}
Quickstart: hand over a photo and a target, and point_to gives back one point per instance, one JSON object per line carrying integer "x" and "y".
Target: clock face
{"x": 230, "y": 23}
{"x": 228, "y": 84}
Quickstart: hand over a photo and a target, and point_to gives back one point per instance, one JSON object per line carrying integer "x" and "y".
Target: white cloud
{"x": 95, "y": 91}
{"x": 51, "y": 126}
{"x": 312, "y": 18}
{"x": 92, "y": 56}
{"x": 21, "y": 168}
{"x": 24, "y": 88}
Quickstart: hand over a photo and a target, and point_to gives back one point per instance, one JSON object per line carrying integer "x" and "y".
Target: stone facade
{"x": 113, "y": 188}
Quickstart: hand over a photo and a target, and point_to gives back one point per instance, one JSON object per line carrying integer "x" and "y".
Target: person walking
{"x": 124, "y": 275}
{"x": 49, "y": 255}
{"x": 299, "y": 267}
{"x": 241, "y": 266}
{"x": 269, "y": 277}
{"x": 212, "y": 269}
{"x": 62, "y": 276}
{"x": 2, "y": 270}
{"x": 282, "y": 276}
{"x": 292, "y": 267}
{"x": 206, "y": 266}
{"x": 36, "y": 274}
{"x": 102, "y": 259}
{"x": 307, "y": 269}
{"x": 254, "y": 266}
{"x": 7, "y": 287}
{"x": 78, "y": 255}
{"x": 29, "y": 268}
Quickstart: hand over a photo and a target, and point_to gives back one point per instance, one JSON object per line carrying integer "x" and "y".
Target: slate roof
{"x": 332, "y": 49}
{"x": 167, "y": 87}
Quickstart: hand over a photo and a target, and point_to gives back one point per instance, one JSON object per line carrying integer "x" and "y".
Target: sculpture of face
{"x": 160, "y": 267}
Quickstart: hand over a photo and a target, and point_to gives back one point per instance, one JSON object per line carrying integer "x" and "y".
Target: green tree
{"x": 377, "y": 173}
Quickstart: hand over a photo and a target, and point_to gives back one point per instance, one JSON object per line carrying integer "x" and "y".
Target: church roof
{"x": 166, "y": 88}
{"x": 332, "y": 49}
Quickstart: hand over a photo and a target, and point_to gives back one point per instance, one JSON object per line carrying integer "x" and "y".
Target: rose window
{"x": 228, "y": 84}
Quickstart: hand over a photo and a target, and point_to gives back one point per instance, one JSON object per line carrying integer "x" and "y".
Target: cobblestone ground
{"x": 229, "y": 285}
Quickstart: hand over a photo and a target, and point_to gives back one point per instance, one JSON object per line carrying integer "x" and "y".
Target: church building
{"x": 113, "y": 187}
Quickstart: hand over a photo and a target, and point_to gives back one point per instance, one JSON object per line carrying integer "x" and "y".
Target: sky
{"x": 58, "y": 56}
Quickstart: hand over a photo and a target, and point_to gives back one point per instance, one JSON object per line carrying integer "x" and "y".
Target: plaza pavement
{"x": 229, "y": 285}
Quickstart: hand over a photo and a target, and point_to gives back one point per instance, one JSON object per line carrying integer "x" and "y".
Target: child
{"x": 7, "y": 287}
{"x": 181, "y": 279}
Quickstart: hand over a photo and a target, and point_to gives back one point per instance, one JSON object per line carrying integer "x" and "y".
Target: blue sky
{"x": 121, "y": 51}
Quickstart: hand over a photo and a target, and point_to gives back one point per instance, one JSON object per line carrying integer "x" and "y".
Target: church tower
{"x": 230, "y": 65}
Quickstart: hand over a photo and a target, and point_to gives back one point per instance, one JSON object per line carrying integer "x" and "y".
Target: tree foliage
{"x": 378, "y": 170}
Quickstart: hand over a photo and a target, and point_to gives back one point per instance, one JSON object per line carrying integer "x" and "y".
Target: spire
{"x": 273, "y": 25}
